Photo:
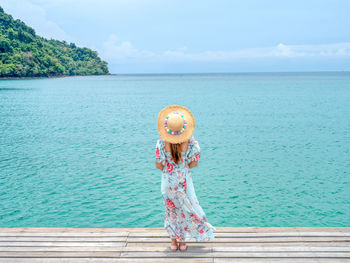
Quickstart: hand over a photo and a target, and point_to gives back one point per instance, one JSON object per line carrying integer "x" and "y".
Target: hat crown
{"x": 175, "y": 122}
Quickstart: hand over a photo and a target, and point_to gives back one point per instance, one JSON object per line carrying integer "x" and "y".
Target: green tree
{"x": 23, "y": 53}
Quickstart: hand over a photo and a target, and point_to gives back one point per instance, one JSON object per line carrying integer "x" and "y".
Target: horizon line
{"x": 233, "y": 72}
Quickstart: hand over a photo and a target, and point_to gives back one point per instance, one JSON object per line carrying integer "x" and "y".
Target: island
{"x": 25, "y": 54}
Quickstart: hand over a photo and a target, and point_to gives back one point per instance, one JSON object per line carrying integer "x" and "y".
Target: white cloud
{"x": 34, "y": 16}
{"x": 115, "y": 50}
{"x": 326, "y": 50}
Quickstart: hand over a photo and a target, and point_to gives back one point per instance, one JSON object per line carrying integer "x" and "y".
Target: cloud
{"x": 35, "y": 16}
{"x": 116, "y": 50}
{"x": 327, "y": 50}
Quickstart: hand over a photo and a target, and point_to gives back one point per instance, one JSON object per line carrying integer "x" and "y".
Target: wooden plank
{"x": 59, "y": 243}
{"x": 249, "y": 239}
{"x": 170, "y": 260}
{"x": 281, "y": 229}
{"x": 251, "y": 234}
{"x": 61, "y": 239}
{"x": 197, "y": 249}
{"x": 345, "y": 249}
{"x": 219, "y": 244}
{"x": 113, "y": 254}
{"x": 238, "y": 254}
{"x": 67, "y": 248}
{"x": 106, "y": 260}
{"x": 81, "y": 230}
{"x": 64, "y": 234}
{"x": 280, "y": 260}
{"x": 102, "y": 248}
{"x": 61, "y": 254}
{"x": 160, "y": 229}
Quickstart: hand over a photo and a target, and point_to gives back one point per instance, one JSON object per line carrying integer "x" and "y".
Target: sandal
{"x": 173, "y": 247}
{"x": 183, "y": 247}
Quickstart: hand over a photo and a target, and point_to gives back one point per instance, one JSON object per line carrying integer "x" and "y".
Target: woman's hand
{"x": 160, "y": 166}
{"x": 193, "y": 164}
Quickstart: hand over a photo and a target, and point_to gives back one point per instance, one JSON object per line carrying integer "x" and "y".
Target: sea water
{"x": 80, "y": 151}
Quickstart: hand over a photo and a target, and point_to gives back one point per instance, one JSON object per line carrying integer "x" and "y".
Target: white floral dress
{"x": 184, "y": 217}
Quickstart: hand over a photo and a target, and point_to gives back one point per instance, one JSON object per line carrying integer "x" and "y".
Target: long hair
{"x": 175, "y": 152}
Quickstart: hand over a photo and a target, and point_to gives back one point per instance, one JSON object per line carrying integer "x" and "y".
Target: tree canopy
{"x": 25, "y": 54}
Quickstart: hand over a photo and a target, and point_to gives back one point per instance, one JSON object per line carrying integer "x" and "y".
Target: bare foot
{"x": 173, "y": 245}
{"x": 183, "y": 246}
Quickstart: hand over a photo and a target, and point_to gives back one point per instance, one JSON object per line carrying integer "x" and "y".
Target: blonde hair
{"x": 175, "y": 149}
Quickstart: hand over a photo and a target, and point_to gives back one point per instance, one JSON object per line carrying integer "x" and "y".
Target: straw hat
{"x": 175, "y": 124}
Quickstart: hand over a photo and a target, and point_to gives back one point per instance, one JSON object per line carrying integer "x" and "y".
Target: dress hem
{"x": 207, "y": 237}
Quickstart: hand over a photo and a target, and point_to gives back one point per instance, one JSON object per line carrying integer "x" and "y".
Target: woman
{"x": 177, "y": 152}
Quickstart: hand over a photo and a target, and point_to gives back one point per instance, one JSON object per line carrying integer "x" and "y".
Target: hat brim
{"x": 176, "y": 138}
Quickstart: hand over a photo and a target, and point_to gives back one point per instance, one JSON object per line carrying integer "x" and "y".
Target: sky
{"x": 167, "y": 36}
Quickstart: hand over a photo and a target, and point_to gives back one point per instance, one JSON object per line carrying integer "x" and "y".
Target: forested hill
{"x": 25, "y": 54}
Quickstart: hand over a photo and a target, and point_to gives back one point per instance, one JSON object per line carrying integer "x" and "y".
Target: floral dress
{"x": 184, "y": 217}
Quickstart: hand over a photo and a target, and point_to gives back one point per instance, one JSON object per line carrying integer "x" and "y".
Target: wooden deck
{"x": 231, "y": 244}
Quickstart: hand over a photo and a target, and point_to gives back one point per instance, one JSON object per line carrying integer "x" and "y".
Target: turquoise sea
{"x": 80, "y": 151}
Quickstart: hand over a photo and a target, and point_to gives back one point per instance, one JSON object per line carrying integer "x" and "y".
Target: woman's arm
{"x": 193, "y": 153}
{"x": 160, "y": 155}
